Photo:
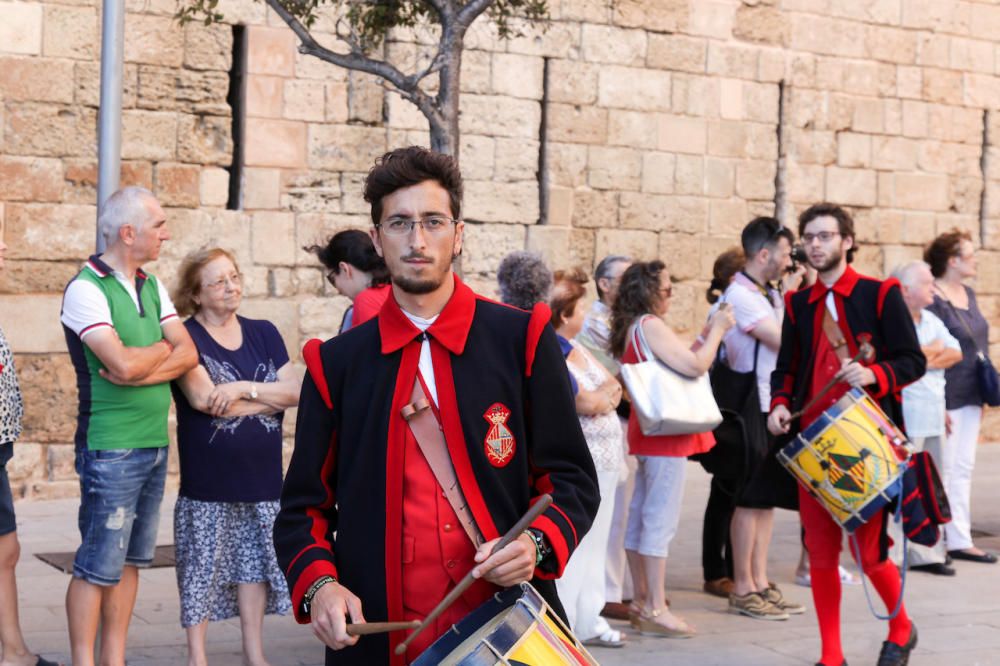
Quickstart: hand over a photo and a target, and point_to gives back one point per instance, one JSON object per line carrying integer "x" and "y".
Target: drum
{"x": 848, "y": 459}
{"x": 515, "y": 626}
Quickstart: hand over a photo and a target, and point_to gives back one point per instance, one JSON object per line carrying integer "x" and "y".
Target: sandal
{"x": 612, "y": 638}
{"x": 648, "y": 626}
{"x": 634, "y": 611}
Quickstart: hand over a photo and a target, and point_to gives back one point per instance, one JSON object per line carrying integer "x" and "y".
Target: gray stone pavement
{"x": 959, "y": 618}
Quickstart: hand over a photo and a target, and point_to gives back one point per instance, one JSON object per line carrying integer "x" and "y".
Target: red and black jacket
{"x": 865, "y": 306}
{"x": 342, "y": 497}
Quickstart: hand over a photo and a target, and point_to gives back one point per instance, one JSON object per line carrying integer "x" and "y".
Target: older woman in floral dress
{"x": 229, "y": 418}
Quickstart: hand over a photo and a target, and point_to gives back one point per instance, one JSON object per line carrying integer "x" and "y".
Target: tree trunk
{"x": 444, "y": 129}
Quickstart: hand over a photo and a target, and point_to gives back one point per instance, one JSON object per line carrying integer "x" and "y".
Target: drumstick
{"x": 865, "y": 351}
{"x": 536, "y": 510}
{"x": 367, "y": 628}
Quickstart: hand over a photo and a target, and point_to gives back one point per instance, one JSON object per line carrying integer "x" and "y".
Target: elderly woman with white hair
{"x": 924, "y": 400}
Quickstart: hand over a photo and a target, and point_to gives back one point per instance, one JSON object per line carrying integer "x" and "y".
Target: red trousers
{"x": 823, "y": 537}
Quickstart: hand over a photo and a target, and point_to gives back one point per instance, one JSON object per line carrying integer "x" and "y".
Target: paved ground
{"x": 959, "y": 618}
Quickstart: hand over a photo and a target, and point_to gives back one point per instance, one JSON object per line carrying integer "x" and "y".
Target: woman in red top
{"x": 356, "y": 271}
{"x": 643, "y": 300}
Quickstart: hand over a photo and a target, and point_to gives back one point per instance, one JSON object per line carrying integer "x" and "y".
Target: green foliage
{"x": 371, "y": 20}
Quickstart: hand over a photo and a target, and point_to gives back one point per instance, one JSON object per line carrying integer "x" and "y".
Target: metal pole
{"x": 109, "y": 132}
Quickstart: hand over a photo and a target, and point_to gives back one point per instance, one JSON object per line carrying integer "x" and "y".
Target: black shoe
{"x": 936, "y": 568}
{"x": 985, "y": 558}
{"x": 898, "y": 655}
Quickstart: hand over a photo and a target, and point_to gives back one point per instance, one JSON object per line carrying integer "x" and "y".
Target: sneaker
{"x": 756, "y": 606}
{"x": 774, "y": 595}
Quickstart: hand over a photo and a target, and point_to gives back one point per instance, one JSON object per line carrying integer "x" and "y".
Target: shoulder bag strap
{"x": 425, "y": 428}
{"x": 961, "y": 319}
{"x": 642, "y": 349}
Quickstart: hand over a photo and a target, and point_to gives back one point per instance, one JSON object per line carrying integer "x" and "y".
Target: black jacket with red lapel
{"x": 346, "y": 473}
{"x": 865, "y": 306}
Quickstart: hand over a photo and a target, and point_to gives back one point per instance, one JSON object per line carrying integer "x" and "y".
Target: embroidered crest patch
{"x": 499, "y": 442}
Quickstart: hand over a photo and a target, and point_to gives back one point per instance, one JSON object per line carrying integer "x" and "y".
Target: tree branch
{"x": 356, "y": 60}
{"x": 471, "y": 12}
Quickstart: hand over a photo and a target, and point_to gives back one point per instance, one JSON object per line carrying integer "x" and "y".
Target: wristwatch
{"x": 311, "y": 592}
{"x": 253, "y": 391}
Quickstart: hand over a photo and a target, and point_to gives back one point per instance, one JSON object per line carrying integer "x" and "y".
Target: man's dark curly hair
{"x": 524, "y": 279}
{"x": 638, "y": 294}
{"x": 845, "y": 223}
{"x": 405, "y": 167}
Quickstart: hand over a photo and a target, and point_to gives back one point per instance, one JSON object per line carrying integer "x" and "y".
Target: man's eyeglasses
{"x": 822, "y": 236}
{"x": 236, "y": 279}
{"x": 402, "y": 226}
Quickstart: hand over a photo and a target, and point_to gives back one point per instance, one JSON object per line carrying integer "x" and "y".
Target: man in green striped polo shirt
{"x": 126, "y": 344}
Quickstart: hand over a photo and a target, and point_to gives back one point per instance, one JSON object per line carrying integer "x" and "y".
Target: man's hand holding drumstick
{"x": 513, "y": 564}
{"x": 851, "y": 372}
{"x": 329, "y": 610}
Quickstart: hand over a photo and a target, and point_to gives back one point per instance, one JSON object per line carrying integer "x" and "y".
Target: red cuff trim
{"x": 780, "y": 400}
{"x": 311, "y": 355}
{"x": 310, "y": 575}
{"x": 90, "y": 328}
{"x": 559, "y": 547}
{"x": 169, "y": 317}
{"x": 540, "y": 316}
{"x": 882, "y": 381}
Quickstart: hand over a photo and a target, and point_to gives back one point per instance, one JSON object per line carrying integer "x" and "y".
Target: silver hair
{"x": 129, "y": 205}
{"x": 603, "y": 269}
{"x": 524, "y": 279}
{"x": 904, "y": 273}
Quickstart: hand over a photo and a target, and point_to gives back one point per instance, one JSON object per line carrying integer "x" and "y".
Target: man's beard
{"x": 418, "y": 287}
{"x": 829, "y": 264}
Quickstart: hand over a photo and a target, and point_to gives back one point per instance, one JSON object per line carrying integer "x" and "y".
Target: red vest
{"x": 437, "y": 553}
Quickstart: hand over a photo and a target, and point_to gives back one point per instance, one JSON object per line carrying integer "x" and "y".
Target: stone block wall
{"x": 654, "y": 128}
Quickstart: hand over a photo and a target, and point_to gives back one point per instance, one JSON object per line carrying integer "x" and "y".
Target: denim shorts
{"x": 7, "y": 523}
{"x": 120, "y": 494}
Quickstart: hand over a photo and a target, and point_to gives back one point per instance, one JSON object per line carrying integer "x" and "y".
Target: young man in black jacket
{"x": 364, "y": 531}
{"x": 863, "y": 309}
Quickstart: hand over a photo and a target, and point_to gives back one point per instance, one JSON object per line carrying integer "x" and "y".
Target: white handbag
{"x": 666, "y": 402}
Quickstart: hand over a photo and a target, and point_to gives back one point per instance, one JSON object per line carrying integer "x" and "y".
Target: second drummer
{"x": 821, "y": 333}
{"x": 365, "y": 531}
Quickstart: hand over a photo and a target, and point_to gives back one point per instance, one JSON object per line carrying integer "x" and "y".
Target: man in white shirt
{"x": 923, "y": 401}
{"x": 752, "y": 345}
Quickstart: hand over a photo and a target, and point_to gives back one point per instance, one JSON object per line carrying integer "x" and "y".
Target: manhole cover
{"x": 163, "y": 557}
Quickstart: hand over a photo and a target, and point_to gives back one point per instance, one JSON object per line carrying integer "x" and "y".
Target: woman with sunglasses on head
{"x": 229, "y": 427}
{"x": 643, "y": 300}
{"x": 952, "y": 258}
{"x": 356, "y": 271}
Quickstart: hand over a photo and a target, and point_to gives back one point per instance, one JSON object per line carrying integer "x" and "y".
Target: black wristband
{"x": 311, "y": 592}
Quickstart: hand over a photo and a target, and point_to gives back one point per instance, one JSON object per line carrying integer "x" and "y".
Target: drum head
{"x": 500, "y": 620}
{"x": 515, "y": 626}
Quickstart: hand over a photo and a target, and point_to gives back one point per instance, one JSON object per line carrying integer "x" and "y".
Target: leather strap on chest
{"x": 834, "y": 335}
{"x": 427, "y": 431}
